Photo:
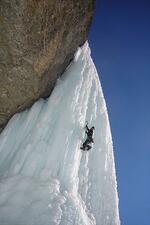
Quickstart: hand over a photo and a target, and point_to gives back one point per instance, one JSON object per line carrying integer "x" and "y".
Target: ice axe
{"x": 86, "y": 124}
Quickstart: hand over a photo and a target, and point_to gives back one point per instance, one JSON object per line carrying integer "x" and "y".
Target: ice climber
{"x": 89, "y": 139}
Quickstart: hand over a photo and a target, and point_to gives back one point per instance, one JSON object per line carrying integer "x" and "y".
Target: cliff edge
{"x": 38, "y": 39}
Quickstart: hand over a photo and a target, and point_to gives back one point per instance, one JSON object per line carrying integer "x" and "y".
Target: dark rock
{"x": 38, "y": 39}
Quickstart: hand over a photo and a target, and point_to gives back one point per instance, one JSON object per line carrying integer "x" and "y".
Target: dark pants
{"x": 86, "y": 145}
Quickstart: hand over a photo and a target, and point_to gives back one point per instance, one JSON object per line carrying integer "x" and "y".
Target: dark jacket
{"x": 90, "y": 131}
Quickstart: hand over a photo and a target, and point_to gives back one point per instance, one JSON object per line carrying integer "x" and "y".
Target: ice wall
{"x": 45, "y": 178}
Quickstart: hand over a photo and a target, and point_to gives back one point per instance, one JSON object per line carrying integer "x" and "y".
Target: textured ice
{"x": 45, "y": 179}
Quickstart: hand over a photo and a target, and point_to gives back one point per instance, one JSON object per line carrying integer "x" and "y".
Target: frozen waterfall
{"x": 45, "y": 178}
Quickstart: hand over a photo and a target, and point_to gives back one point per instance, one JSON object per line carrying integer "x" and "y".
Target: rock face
{"x": 38, "y": 39}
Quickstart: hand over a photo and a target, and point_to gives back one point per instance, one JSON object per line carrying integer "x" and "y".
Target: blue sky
{"x": 120, "y": 43}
